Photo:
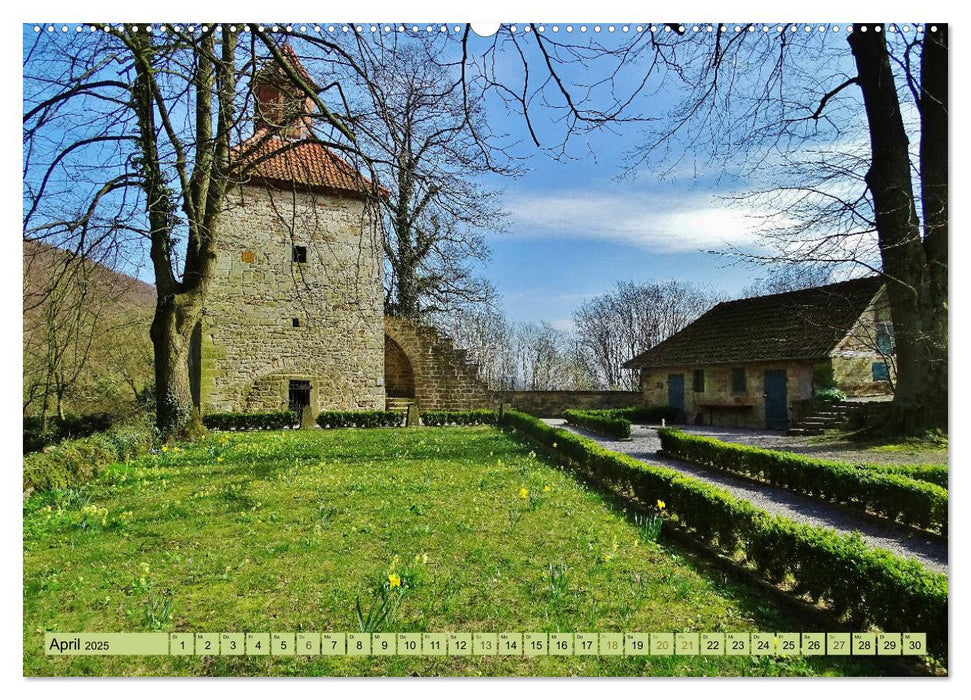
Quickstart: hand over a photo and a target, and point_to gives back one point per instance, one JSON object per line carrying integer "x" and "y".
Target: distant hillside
{"x": 43, "y": 262}
{"x": 86, "y": 345}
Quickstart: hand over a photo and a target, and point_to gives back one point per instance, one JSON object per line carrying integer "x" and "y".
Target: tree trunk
{"x": 175, "y": 318}
{"x": 918, "y": 301}
{"x": 59, "y": 392}
{"x": 934, "y": 198}
{"x": 43, "y": 412}
{"x": 407, "y": 302}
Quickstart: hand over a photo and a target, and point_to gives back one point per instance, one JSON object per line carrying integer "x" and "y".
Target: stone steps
{"x": 804, "y": 431}
{"x": 831, "y": 417}
{"x": 398, "y": 404}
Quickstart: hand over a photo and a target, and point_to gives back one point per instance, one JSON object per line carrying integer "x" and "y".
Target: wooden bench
{"x": 712, "y": 406}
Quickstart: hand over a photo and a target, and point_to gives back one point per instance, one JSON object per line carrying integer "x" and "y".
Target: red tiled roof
{"x": 805, "y": 324}
{"x": 306, "y": 165}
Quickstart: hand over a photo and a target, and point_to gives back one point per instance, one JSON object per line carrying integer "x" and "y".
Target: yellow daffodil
{"x": 546, "y": 489}
{"x": 394, "y": 581}
{"x": 524, "y": 492}
{"x": 661, "y": 504}
{"x": 219, "y": 459}
{"x": 554, "y": 445}
{"x": 165, "y": 448}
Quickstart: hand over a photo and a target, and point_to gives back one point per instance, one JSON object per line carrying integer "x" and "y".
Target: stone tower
{"x": 293, "y": 315}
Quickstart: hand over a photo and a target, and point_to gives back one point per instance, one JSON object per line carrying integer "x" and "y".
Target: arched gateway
{"x": 399, "y": 377}
{"x": 422, "y": 365}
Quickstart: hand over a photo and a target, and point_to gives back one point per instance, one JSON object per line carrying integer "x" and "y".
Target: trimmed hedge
{"x": 616, "y": 422}
{"x": 931, "y": 473}
{"x": 360, "y": 419}
{"x": 891, "y": 495}
{"x": 73, "y": 462}
{"x": 599, "y": 422}
{"x": 870, "y": 586}
{"x": 274, "y": 420}
{"x": 442, "y": 418}
{"x": 645, "y": 414}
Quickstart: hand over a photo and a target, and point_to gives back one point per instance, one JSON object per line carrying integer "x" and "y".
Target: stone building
{"x": 748, "y": 362}
{"x": 294, "y": 313}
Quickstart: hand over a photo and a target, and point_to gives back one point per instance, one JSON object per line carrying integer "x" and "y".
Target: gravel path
{"x": 645, "y": 445}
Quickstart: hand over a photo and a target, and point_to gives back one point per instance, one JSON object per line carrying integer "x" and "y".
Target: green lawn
{"x": 931, "y": 449}
{"x": 284, "y": 531}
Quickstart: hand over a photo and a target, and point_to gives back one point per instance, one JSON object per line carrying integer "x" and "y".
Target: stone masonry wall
{"x": 444, "y": 379}
{"x": 550, "y": 404}
{"x": 251, "y": 346}
{"x": 750, "y": 411}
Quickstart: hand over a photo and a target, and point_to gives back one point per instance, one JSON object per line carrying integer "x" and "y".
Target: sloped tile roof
{"x": 805, "y": 324}
{"x": 305, "y": 165}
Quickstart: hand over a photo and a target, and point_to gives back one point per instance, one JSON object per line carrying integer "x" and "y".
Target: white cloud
{"x": 666, "y": 223}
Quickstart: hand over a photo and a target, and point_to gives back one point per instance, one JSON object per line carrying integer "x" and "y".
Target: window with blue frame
{"x": 738, "y": 380}
{"x": 885, "y": 338}
{"x": 699, "y": 381}
{"x": 880, "y": 372}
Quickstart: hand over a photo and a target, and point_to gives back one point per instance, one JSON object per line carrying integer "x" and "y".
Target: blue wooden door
{"x": 676, "y": 391}
{"x": 776, "y": 404}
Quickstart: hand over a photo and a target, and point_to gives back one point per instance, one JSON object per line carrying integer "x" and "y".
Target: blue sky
{"x": 576, "y": 228}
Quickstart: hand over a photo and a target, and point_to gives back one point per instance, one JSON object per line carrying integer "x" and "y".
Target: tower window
{"x": 299, "y": 253}
{"x": 296, "y": 322}
{"x": 299, "y": 394}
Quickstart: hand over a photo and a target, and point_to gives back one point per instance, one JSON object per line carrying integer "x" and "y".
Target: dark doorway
{"x": 676, "y": 391}
{"x": 299, "y": 394}
{"x": 399, "y": 377}
{"x": 776, "y": 404}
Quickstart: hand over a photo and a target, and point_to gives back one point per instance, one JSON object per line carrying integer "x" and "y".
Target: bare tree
{"x": 616, "y": 326}
{"x": 132, "y": 136}
{"x": 489, "y": 339}
{"x": 540, "y": 353}
{"x": 421, "y": 140}
{"x": 59, "y": 332}
{"x": 839, "y": 116}
{"x": 547, "y": 359}
{"x": 788, "y": 278}
{"x": 85, "y": 332}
